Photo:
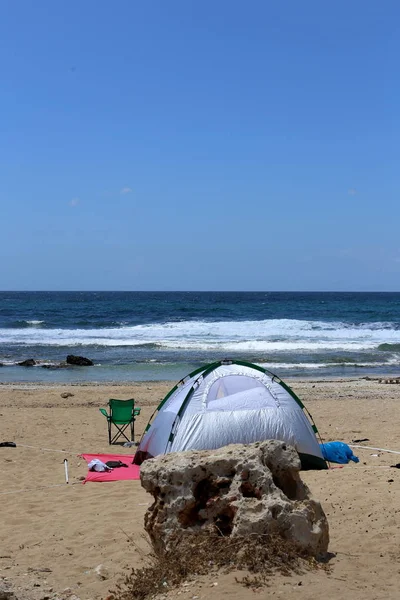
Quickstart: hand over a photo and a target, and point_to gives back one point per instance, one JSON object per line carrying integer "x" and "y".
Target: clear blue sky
{"x": 200, "y": 145}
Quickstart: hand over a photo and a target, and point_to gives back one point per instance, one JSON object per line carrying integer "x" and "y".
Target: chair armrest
{"x": 136, "y": 412}
{"x": 104, "y": 412}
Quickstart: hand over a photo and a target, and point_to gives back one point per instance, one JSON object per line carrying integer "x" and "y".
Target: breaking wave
{"x": 278, "y": 335}
{"x": 27, "y": 323}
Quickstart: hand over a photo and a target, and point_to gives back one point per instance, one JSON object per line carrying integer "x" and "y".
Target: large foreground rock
{"x": 236, "y": 490}
{"x": 6, "y": 593}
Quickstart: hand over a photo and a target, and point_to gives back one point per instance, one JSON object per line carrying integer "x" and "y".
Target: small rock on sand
{"x": 101, "y": 572}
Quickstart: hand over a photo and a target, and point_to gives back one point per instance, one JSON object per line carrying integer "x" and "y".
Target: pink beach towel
{"x": 119, "y": 474}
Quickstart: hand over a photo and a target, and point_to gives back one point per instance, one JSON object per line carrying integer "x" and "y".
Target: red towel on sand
{"x": 119, "y": 474}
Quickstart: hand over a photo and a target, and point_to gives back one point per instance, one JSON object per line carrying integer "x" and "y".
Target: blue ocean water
{"x": 163, "y": 335}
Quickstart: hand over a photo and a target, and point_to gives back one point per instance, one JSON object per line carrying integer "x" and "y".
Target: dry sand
{"x": 54, "y": 535}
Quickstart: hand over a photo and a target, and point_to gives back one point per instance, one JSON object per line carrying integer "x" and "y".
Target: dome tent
{"x": 230, "y": 402}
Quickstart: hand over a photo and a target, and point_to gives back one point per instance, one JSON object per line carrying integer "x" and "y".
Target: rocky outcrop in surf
{"x": 79, "y": 361}
{"x": 29, "y": 362}
{"x": 70, "y": 361}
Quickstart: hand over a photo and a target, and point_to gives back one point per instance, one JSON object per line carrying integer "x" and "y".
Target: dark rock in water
{"x": 80, "y": 361}
{"x": 62, "y": 365}
{"x": 27, "y": 363}
{"x": 1, "y": 365}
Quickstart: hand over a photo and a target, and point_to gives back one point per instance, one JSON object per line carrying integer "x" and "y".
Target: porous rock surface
{"x": 236, "y": 490}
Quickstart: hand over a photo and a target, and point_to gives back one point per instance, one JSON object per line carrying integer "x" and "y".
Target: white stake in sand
{"x": 66, "y": 470}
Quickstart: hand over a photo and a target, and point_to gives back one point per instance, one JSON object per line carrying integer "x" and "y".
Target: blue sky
{"x": 213, "y": 145}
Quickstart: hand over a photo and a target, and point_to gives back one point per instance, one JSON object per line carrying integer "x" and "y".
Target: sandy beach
{"x": 53, "y": 535}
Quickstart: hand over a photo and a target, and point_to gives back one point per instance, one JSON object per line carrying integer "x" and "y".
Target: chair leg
{"x": 109, "y": 433}
{"x": 120, "y": 431}
{"x": 132, "y": 431}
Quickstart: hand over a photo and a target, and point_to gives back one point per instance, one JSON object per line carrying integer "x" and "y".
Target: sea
{"x": 145, "y": 336}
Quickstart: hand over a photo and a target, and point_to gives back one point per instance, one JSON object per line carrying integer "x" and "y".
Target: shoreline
{"x": 172, "y": 382}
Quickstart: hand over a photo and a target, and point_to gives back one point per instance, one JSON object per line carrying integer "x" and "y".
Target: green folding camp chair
{"x": 122, "y": 415}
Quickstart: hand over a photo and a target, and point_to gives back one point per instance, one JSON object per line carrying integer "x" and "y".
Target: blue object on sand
{"x": 338, "y": 452}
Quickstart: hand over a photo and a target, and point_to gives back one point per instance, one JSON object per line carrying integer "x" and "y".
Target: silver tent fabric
{"x": 232, "y": 404}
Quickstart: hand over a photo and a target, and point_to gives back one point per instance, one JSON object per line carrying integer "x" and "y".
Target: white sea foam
{"x": 258, "y": 336}
{"x": 33, "y": 322}
{"x": 276, "y": 366}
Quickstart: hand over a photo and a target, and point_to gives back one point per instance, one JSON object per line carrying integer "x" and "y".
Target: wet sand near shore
{"x": 53, "y": 535}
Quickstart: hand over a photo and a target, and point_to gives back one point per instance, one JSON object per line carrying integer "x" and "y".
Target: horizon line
{"x": 76, "y": 291}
